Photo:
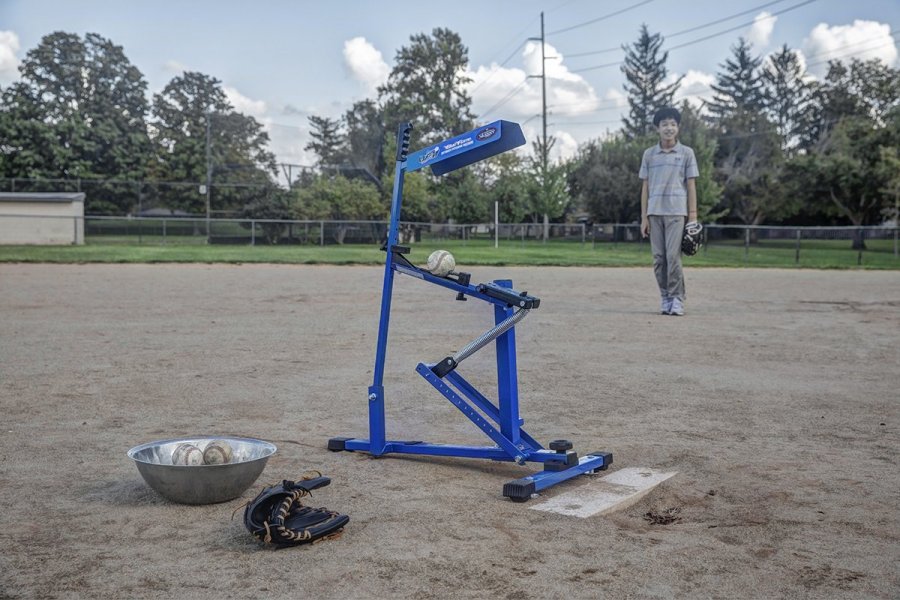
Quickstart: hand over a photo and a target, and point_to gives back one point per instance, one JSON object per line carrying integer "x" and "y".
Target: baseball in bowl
{"x": 203, "y": 483}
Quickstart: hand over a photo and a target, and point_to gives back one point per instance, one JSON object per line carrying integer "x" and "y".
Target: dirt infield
{"x": 775, "y": 399}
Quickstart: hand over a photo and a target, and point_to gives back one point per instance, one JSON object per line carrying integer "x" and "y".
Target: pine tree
{"x": 645, "y": 70}
{"x": 739, "y": 88}
{"x": 788, "y": 96}
{"x": 327, "y": 141}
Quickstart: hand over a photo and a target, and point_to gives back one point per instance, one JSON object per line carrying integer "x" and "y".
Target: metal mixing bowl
{"x": 201, "y": 484}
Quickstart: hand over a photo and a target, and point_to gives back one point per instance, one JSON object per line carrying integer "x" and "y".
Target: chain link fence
{"x": 735, "y": 242}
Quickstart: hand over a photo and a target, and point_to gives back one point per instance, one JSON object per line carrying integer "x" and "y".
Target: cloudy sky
{"x": 281, "y": 61}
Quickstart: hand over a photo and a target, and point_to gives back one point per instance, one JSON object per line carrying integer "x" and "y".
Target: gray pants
{"x": 665, "y": 242}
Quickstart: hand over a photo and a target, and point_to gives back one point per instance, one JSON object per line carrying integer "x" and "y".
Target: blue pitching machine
{"x": 500, "y": 422}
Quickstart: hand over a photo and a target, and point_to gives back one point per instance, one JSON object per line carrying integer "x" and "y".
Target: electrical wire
{"x": 505, "y": 98}
{"x": 603, "y": 18}
{"x": 683, "y": 31}
{"x": 702, "y": 39}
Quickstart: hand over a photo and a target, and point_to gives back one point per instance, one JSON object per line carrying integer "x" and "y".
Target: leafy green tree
{"x": 850, "y": 174}
{"x": 645, "y": 71}
{"x": 866, "y": 89}
{"x": 547, "y": 186}
{"x": 78, "y": 111}
{"x": 605, "y": 179}
{"x": 427, "y": 88}
{"x": 190, "y": 110}
{"x": 274, "y": 206}
{"x": 888, "y": 171}
{"x": 337, "y": 198}
{"x": 701, "y": 138}
{"x": 506, "y": 184}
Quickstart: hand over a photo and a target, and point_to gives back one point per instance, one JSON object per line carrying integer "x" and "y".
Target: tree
{"x": 327, "y": 141}
{"x": 788, "y": 97}
{"x": 427, "y": 88}
{"x": 605, "y": 179}
{"x": 739, "y": 86}
{"x": 866, "y": 89}
{"x": 337, "y": 198}
{"x": 77, "y": 112}
{"x": 701, "y": 138}
{"x": 506, "y": 184}
{"x": 748, "y": 157}
{"x": 850, "y": 174}
{"x": 645, "y": 70}
{"x": 547, "y": 186}
{"x": 365, "y": 131}
{"x": 191, "y": 109}
{"x": 274, "y": 206}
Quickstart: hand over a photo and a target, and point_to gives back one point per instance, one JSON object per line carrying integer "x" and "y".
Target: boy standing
{"x": 668, "y": 195}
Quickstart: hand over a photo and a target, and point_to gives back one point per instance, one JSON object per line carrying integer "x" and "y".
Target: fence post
{"x": 862, "y": 244}
{"x": 252, "y": 232}
{"x": 75, "y": 222}
{"x": 895, "y": 240}
{"x": 797, "y": 251}
{"x": 746, "y": 244}
{"x": 322, "y": 233}
{"x": 13, "y": 186}
{"x": 164, "y": 232}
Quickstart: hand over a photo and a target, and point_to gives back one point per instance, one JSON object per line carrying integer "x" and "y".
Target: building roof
{"x": 41, "y": 196}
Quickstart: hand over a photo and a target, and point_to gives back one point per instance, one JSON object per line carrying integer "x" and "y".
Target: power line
{"x": 824, "y": 52}
{"x": 702, "y": 39}
{"x": 677, "y": 33}
{"x": 722, "y": 20}
{"x": 508, "y": 58}
{"x": 505, "y": 98}
{"x": 735, "y": 28}
{"x": 598, "y": 19}
{"x": 849, "y": 54}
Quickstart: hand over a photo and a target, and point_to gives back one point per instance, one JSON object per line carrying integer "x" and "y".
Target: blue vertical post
{"x": 507, "y": 385}
{"x": 377, "y": 439}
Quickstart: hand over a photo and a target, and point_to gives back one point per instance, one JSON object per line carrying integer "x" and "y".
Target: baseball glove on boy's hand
{"x": 690, "y": 241}
{"x": 276, "y": 515}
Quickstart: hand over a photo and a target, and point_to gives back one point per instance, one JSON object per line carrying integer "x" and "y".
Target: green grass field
{"x": 813, "y": 254}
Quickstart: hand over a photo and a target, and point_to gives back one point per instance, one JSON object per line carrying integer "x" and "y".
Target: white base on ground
{"x": 615, "y": 491}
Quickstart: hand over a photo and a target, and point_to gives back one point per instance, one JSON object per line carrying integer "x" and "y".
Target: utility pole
{"x": 543, "y": 77}
{"x": 208, "y": 176}
{"x": 544, "y": 91}
{"x": 544, "y": 148}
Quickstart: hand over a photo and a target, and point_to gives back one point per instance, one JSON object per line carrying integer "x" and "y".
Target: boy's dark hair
{"x": 666, "y": 113}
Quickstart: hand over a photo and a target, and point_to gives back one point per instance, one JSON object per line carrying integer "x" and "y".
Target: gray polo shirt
{"x": 667, "y": 172}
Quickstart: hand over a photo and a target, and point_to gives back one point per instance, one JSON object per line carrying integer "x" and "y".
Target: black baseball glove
{"x": 277, "y": 516}
{"x": 690, "y": 241}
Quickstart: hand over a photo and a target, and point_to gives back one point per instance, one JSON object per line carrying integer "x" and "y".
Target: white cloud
{"x": 566, "y": 146}
{"x": 365, "y": 63}
{"x": 864, "y": 40}
{"x": 761, "y": 31}
{"x": 243, "y": 104}
{"x": 9, "y": 62}
{"x": 516, "y": 94}
{"x": 695, "y": 88}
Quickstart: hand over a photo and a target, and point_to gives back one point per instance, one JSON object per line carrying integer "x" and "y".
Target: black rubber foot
{"x": 338, "y": 444}
{"x": 607, "y": 459}
{"x": 519, "y": 490}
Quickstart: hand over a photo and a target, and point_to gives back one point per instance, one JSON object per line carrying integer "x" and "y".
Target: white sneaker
{"x": 677, "y": 308}
{"x": 665, "y": 306}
